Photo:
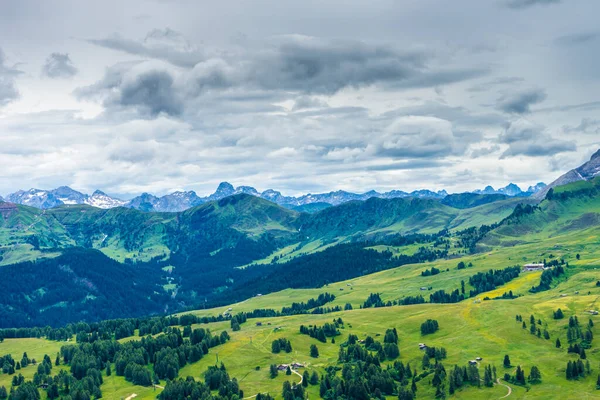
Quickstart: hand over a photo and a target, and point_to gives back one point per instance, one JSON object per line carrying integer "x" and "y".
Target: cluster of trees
{"x": 292, "y": 391}
{"x": 360, "y": 380}
{"x": 442, "y": 297}
{"x": 114, "y": 296}
{"x": 429, "y": 326}
{"x": 322, "y": 333}
{"x": 418, "y": 299}
{"x": 546, "y": 279}
{"x": 577, "y": 349}
{"x": 576, "y": 369}
{"x": 469, "y": 375}
{"x": 490, "y": 280}
{"x": 281, "y": 344}
{"x": 468, "y": 238}
{"x": 558, "y": 314}
{"x": 216, "y": 379}
{"x": 430, "y": 272}
{"x": 462, "y": 265}
{"x": 107, "y": 329}
{"x": 302, "y": 308}
{"x": 374, "y": 300}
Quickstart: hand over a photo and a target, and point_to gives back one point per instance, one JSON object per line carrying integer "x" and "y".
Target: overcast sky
{"x": 162, "y": 95}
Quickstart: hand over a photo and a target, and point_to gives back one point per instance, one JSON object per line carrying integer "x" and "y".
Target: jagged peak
{"x": 595, "y": 155}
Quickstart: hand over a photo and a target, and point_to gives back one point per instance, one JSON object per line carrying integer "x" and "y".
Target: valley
{"x": 253, "y": 273}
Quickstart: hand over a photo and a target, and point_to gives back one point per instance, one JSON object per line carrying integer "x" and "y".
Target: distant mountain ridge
{"x": 184, "y": 200}
{"x": 45, "y": 199}
{"x": 513, "y": 190}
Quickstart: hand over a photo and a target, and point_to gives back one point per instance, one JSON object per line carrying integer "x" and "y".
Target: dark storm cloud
{"x": 8, "y": 89}
{"x": 576, "y": 39}
{"x": 59, "y": 65}
{"x": 529, "y": 139}
{"x": 521, "y": 102}
{"x": 521, "y": 4}
{"x": 148, "y": 89}
{"x": 162, "y": 44}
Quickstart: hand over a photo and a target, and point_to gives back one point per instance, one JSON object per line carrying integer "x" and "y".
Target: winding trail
{"x": 506, "y": 386}
{"x": 131, "y": 396}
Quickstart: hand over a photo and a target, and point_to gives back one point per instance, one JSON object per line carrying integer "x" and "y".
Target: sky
{"x": 302, "y": 97}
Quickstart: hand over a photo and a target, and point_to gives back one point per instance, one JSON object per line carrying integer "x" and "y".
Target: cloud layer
{"x": 278, "y": 95}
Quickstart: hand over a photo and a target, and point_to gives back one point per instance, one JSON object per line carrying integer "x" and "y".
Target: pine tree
{"x": 598, "y": 383}
{"x": 288, "y": 371}
{"x": 557, "y": 343}
{"x": 273, "y": 371}
{"x": 426, "y": 362}
{"x": 535, "y": 375}
{"x": 305, "y": 378}
{"x": 108, "y": 371}
{"x": 506, "y": 361}
{"x": 314, "y": 351}
{"x": 314, "y": 378}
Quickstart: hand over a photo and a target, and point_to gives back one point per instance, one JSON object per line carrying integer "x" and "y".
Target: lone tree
{"x": 314, "y": 351}
{"x": 557, "y": 343}
{"x": 235, "y": 325}
{"x": 535, "y": 376}
{"x": 273, "y": 372}
{"x": 506, "y": 361}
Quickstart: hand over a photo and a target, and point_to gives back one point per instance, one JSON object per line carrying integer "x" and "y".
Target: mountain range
{"x": 183, "y": 200}
{"x": 242, "y": 244}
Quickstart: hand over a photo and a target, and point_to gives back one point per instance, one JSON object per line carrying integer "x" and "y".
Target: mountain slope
{"x": 78, "y": 285}
{"x": 585, "y": 172}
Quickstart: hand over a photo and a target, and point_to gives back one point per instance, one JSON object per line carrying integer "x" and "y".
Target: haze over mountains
{"x": 183, "y": 200}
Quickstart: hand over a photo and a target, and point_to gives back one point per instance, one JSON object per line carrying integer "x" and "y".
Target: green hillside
{"x": 491, "y": 322}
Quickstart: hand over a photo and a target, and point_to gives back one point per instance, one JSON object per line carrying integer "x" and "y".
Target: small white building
{"x": 533, "y": 267}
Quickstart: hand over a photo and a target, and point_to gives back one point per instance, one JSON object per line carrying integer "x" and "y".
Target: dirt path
{"x": 506, "y": 386}
{"x": 300, "y": 375}
{"x": 131, "y": 396}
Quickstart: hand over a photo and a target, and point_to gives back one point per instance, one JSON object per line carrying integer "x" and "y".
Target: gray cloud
{"x": 521, "y": 4}
{"x": 59, "y": 65}
{"x": 293, "y": 66}
{"x": 502, "y": 81}
{"x": 8, "y": 89}
{"x": 587, "y": 125}
{"x": 589, "y": 106}
{"x": 418, "y": 137}
{"x": 526, "y": 138}
{"x": 576, "y": 38}
{"x": 149, "y": 89}
{"x": 163, "y": 44}
{"x": 409, "y": 165}
{"x": 521, "y": 102}
{"x": 304, "y": 102}
{"x": 458, "y": 115}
